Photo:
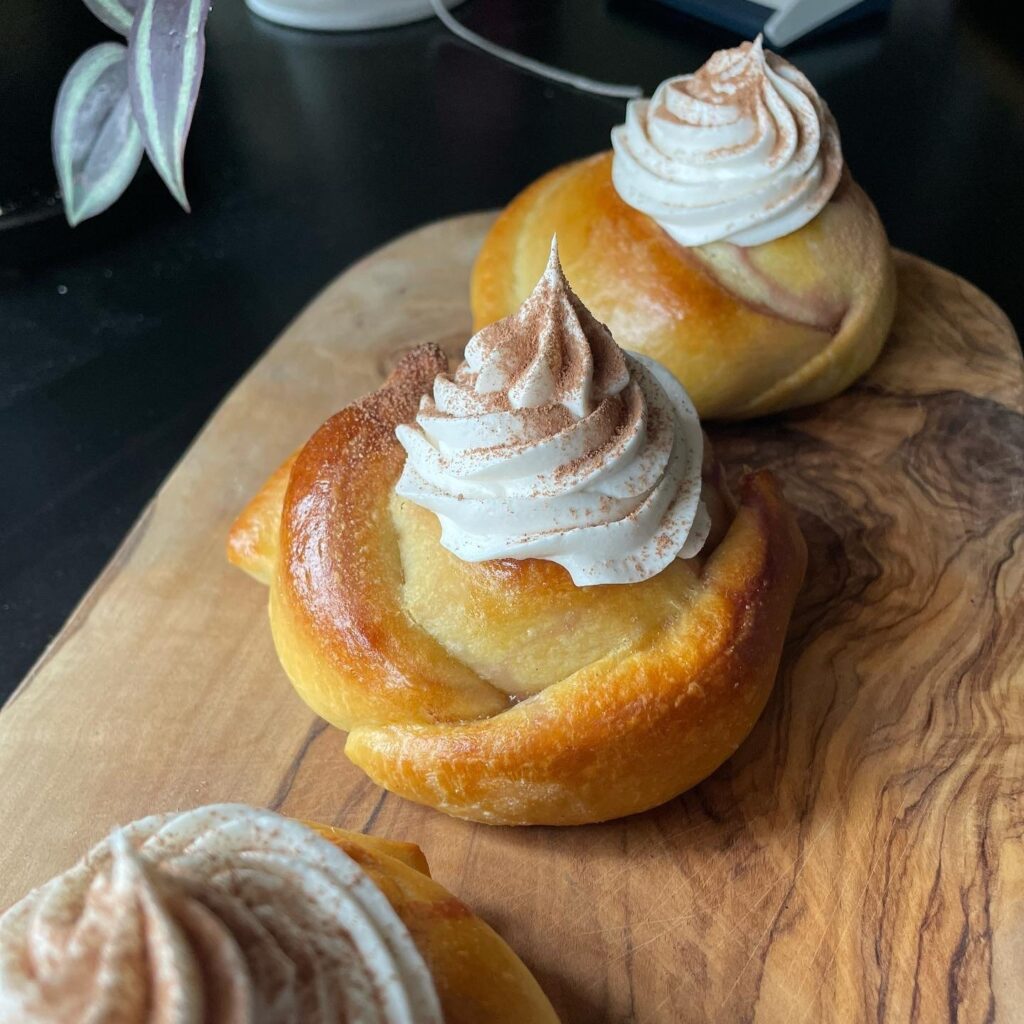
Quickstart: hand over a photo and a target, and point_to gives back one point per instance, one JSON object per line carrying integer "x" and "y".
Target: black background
{"x": 307, "y": 151}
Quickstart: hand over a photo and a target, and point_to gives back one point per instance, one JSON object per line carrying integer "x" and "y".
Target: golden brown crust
{"x": 634, "y": 728}
{"x": 477, "y": 976}
{"x": 648, "y": 715}
{"x": 747, "y": 331}
{"x": 253, "y": 541}
{"x": 364, "y": 848}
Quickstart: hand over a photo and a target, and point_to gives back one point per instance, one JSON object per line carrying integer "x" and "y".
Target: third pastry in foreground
{"x": 724, "y": 238}
{"x": 228, "y": 914}
{"x": 523, "y": 587}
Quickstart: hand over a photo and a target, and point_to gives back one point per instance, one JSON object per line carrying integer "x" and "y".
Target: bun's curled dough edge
{"x": 748, "y": 331}
{"x": 476, "y": 975}
{"x": 635, "y": 727}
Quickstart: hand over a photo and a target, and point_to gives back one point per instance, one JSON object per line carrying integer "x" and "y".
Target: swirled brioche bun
{"x": 747, "y": 330}
{"x": 499, "y": 690}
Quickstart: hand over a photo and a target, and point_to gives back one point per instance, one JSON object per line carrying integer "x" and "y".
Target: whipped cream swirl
{"x": 742, "y": 151}
{"x": 551, "y": 442}
{"x": 221, "y": 915}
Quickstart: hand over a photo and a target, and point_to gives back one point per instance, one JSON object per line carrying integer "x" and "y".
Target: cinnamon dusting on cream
{"x": 551, "y": 442}
{"x": 221, "y": 914}
{"x": 742, "y": 151}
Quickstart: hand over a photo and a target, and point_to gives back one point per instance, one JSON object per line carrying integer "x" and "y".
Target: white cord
{"x": 624, "y": 92}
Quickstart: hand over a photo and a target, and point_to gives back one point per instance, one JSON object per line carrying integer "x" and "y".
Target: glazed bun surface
{"x": 476, "y": 974}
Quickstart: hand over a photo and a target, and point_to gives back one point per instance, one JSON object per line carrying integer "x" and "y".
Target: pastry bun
{"x": 233, "y": 913}
{"x": 499, "y": 691}
{"x": 747, "y": 330}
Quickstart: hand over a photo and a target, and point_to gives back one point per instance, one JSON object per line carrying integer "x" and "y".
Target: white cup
{"x": 343, "y": 15}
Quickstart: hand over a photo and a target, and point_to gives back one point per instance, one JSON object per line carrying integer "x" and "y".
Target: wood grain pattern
{"x": 860, "y": 858}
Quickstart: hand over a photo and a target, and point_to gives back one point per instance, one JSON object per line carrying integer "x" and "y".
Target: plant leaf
{"x": 115, "y": 14}
{"x": 166, "y": 49}
{"x": 97, "y": 146}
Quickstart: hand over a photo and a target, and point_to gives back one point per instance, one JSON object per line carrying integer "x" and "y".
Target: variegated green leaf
{"x": 115, "y": 14}
{"x": 167, "y": 48}
{"x": 96, "y": 143}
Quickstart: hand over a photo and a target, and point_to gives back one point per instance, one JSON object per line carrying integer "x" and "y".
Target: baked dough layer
{"x": 748, "y": 331}
{"x": 476, "y": 975}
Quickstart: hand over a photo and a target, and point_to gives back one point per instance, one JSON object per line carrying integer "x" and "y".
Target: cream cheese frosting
{"x": 550, "y": 442}
{"x": 220, "y": 915}
{"x": 742, "y": 151}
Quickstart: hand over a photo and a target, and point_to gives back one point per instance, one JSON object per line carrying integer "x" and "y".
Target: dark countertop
{"x": 307, "y": 151}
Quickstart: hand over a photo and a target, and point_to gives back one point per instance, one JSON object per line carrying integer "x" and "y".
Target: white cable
{"x": 624, "y": 92}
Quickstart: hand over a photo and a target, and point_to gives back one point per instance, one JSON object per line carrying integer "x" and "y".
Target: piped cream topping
{"x": 742, "y": 151}
{"x": 550, "y": 442}
{"x": 221, "y": 915}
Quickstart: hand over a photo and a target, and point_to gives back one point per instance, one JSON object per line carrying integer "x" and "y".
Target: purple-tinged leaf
{"x": 96, "y": 144}
{"x": 166, "y": 49}
{"x": 115, "y": 14}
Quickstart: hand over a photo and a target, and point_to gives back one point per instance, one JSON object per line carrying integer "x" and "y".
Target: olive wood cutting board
{"x": 861, "y": 857}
